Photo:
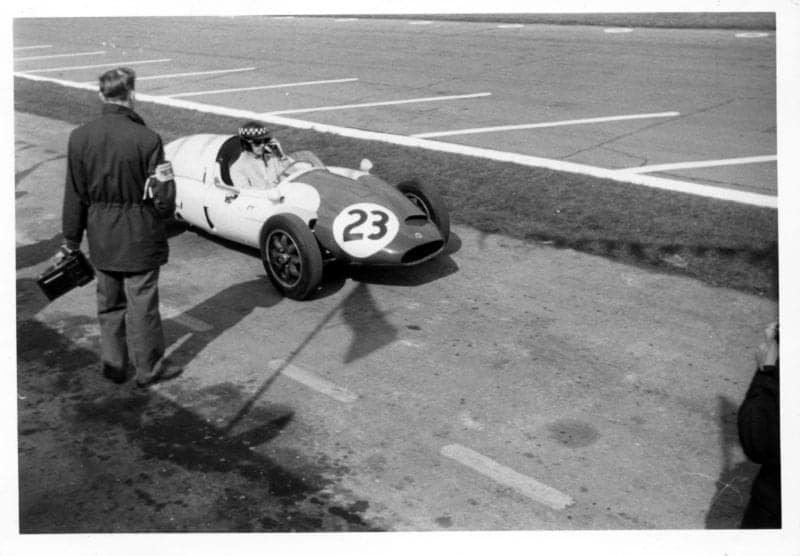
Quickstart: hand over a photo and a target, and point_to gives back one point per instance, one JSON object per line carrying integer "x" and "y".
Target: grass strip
{"x": 721, "y": 243}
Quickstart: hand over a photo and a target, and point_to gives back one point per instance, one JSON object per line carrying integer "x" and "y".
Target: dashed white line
{"x": 546, "y": 124}
{"x": 260, "y": 87}
{"x": 176, "y": 345}
{"x": 179, "y": 316}
{"x": 106, "y": 65}
{"x": 193, "y": 74}
{"x": 510, "y": 26}
{"x": 751, "y": 35}
{"x": 701, "y": 164}
{"x": 371, "y": 104}
{"x": 34, "y": 47}
{"x": 506, "y": 476}
{"x": 420, "y": 22}
{"x": 70, "y": 55}
{"x": 345, "y": 19}
{"x": 313, "y": 381}
{"x": 613, "y": 30}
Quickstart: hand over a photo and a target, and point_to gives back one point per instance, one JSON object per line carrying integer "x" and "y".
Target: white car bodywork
{"x": 206, "y": 202}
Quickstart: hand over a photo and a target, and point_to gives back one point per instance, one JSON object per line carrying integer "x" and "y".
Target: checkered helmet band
{"x": 253, "y": 131}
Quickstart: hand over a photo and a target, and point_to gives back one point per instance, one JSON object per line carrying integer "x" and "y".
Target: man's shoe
{"x": 164, "y": 372}
{"x": 114, "y": 374}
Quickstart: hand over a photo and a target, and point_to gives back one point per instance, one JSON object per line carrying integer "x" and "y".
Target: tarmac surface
{"x": 721, "y": 83}
{"x": 502, "y": 386}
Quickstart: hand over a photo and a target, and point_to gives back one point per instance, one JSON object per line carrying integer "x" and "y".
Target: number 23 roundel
{"x": 364, "y": 229}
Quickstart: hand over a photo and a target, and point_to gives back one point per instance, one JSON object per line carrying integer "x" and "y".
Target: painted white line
{"x": 35, "y": 47}
{"x": 282, "y": 17}
{"x": 506, "y": 476}
{"x": 260, "y": 87}
{"x": 178, "y": 315}
{"x": 420, "y": 22}
{"x": 192, "y": 74}
{"x": 618, "y": 30}
{"x": 701, "y": 164}
{"x": 547, "y": 124}
{"x": 343, "y": 19}
{"x": 70, "y": 55}
{"x": 313, "y": 381}
{"x": 751, "y": 35}
{"x": 691, "y": 188}
{"x": 371, "y": 104}
{"x": 106, "y": 65}
{"x": 510, "y": 26}
{"x": 177, "y": 344}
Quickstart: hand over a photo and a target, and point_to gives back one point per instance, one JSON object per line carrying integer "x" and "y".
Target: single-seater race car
{"x": 316, "y": 213}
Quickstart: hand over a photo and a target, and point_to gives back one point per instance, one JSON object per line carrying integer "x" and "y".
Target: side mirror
{"x": 366, "y": 165}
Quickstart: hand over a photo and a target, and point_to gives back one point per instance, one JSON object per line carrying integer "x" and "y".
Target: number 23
{"x": 379, "y": 223}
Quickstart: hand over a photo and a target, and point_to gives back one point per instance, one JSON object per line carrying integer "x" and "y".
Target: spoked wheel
{"x": 428, "y": 200}
{"x": 291, "y": 256}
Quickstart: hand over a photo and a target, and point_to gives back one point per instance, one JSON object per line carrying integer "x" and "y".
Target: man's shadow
{"x": 206, "y": 321}
{"x": 734, "y": 482}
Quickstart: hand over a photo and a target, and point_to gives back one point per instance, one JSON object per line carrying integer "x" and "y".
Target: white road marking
{"x": 178, "y": 315}
{"x": 751, "y": 35}
{"x": 525, "y": 485}
{"x": 510, "y": 26}
{"x": 35, "y": 47}
{"x": 313, "y": 381}
{"x": 546, "y": 124}
{"x": 420, "y": 22}
{"x": 343, "y": 19}
{"x": 371, "y": 104}
{"x": 70, "y": 55}
{"x": 618, "y": 30}
{"x": 177, "y": 344}
{"x": 192, "y": 74}
{"x": 277, "y": 86}
{"x": 701, "y": 164}
{"x": 106, "y": 65}
{"x": 690, "y": 188}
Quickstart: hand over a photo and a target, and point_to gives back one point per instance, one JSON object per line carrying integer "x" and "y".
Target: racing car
{"x": 315, "y": 215}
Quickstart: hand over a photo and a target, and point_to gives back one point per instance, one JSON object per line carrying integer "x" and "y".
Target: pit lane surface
{"x": 502, "y": 386}
{"x": 407, "y": 79}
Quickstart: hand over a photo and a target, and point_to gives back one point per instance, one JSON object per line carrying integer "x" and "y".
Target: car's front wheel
{"x": 291, "y": 256}
{"x": 428, "y": 201}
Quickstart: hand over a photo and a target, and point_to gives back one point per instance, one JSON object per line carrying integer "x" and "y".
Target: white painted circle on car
{"x": 363, "y": 229}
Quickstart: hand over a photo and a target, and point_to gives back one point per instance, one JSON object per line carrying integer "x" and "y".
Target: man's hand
{"x": 62, "y": 252}
{"x": 767, "y": 353}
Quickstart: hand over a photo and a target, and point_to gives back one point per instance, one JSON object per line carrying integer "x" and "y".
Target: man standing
{"x": 108, "y": 194}
{"x": 759, "y": 434}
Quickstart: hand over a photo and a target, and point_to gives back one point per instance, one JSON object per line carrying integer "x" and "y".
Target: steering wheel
{"x": 288, "y": 170}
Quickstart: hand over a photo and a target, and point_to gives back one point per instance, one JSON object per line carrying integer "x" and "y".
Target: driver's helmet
{"x": 253, "y": 131}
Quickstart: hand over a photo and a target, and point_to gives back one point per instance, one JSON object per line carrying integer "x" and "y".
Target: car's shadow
{"x": 335, "y": 274}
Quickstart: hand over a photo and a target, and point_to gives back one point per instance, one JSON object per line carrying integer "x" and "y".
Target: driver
{"x": 262, "y": 160}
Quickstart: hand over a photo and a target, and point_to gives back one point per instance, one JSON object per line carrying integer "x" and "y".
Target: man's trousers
{"x": 130, "y": 324}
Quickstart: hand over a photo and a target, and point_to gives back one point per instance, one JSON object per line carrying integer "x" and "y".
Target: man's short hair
{"x": 117, "y": 83}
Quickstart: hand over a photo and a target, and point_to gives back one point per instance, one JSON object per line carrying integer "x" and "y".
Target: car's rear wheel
{"x": 428, "y": 200}
{"x": 291, "y": 256}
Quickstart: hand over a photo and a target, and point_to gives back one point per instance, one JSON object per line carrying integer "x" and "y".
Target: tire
{"x": 430, "y": 202}
{"x": 291, "y": 256}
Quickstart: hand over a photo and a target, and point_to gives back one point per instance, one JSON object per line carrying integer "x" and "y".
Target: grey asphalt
{"x": 722, "y": 85}
{"x": 615, "y": 386}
